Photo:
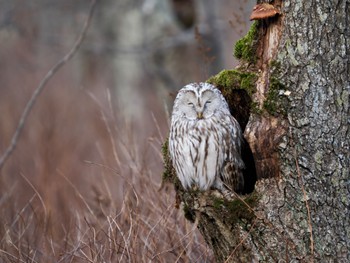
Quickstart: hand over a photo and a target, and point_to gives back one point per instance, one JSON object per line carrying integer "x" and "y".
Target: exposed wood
{"x": 264, "y": 136}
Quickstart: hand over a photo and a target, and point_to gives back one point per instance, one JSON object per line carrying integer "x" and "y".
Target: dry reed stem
{"x": 12, "y": 256}
{"x": 39, "y": 196}
{"x": 77, "y": 192}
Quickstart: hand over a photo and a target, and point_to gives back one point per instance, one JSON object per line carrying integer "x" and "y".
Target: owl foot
{"x": 223, "y": 194}
{"x": 228, "y": 195}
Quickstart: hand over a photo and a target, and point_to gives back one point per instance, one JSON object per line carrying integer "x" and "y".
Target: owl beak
{"x": 199, "y": 115}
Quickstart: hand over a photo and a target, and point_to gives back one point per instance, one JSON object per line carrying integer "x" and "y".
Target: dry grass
{"x": 109, "y": 211}
{"x": 83, "y": 184}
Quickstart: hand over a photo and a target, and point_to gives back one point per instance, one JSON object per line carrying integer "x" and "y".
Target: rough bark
{"x": 314, "y": 56}
{"x": 299, "y": 211}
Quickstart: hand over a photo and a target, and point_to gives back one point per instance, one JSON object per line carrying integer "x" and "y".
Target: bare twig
{"x": 42, "y": 86}
{"x": 243, "y": 239}
{"x": 307, "y": 208}
{"x": 264, "y": 219}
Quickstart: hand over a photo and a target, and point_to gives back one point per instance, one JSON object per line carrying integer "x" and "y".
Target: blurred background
{"x": 84, "y": 182}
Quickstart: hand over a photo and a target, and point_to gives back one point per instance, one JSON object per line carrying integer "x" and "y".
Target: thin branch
{"x": 307, "y": 207}
{"x": 42, "y": 86}
{"x": 242, "y": 241}
{"x": 263, "y": 219}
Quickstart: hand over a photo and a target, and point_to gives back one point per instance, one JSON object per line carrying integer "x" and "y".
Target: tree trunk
{"x": 298, "y": 131}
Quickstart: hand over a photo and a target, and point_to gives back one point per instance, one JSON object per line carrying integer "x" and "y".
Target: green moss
{"x": 254, "y": 107}
{"x": 165, "y": 153}
{"x": 217, "y": 202}
{"x": 237, "y": 211}
{"x": 234, "y": 79}
{"x": 245, "y": 48}
{"x": 275, "y": 67}
{"x": 275, "y": 103}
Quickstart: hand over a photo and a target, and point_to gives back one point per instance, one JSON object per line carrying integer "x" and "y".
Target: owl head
{"x": 197, "y": 101}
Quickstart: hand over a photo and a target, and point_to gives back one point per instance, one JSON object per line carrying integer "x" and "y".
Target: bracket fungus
{"x": 262, "y": 11}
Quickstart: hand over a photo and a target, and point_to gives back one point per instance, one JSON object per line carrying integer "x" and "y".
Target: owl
{"x": 205, "y": 140}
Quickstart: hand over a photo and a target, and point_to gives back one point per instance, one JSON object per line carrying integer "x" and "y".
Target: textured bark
{"x": 299, "y": 211}
{"x": 314, "y": 55}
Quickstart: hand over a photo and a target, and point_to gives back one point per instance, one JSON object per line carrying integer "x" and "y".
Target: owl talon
{"x": 225, "y": 194}
{"x": 228, "y": 195}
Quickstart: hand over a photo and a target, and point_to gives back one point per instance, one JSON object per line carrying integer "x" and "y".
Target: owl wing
{"x": 232, "y": 173}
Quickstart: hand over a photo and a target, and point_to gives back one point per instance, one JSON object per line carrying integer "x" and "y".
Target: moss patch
{"x": 245, "y": 48}
{"x": 167, "y": 173}
{"x": 234, "y": 79}
{"x": 276, "y": 102}
{"x": 237, "y": 211}
{"x": 237, "y": 87}
{"x": 275, "y": 68}
{"x": 254, "y": 107}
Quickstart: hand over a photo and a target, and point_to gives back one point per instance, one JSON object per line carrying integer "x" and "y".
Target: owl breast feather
{"x": 198, "y": 153}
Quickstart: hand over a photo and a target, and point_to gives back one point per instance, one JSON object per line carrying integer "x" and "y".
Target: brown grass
{"x": 83, "y": 187}
{"x": 83, "y": 182}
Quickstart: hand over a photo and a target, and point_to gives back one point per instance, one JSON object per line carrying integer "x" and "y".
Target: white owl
{"x": 205, "y": 140}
